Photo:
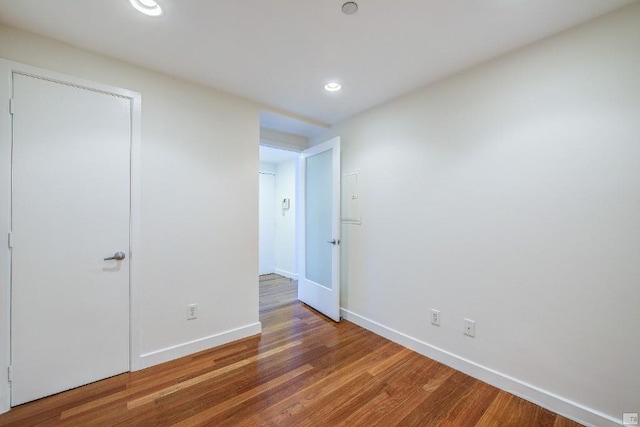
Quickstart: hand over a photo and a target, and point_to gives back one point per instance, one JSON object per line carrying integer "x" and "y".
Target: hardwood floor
{"x": 304, "y": 370}
{"x": 276, "y": 291}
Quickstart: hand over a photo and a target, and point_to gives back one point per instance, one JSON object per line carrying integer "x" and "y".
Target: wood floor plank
{"x": 508, "y": 410}
{"x": 468, "y": 411}
{"x": 353, "y": 396}
{"x": 212, "y": 374}
{"x": 201, "y": 418}
{"x": 390, "y": 362}
{"x": 564, "y": 422}
{"x": 286, "y": 410}
{"x": 276, "y": 291}
{"x": 226, "y": 390}
{"x": 366, "y": 413}
{"x": 404, "y": 405}
{"x": 454, "y": 388}
{"x": 303, "y": 370}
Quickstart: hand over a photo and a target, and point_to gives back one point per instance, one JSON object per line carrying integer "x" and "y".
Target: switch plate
{"x": 470, "y": 327}
{"x": 192, "y": 311}
{"x": 435, "y": 317}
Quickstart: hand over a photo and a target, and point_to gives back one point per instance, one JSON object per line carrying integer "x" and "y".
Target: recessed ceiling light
{"x": 148, "y": 7}
{"x": 349, "y": 8}
{"x": 332, "y": 87}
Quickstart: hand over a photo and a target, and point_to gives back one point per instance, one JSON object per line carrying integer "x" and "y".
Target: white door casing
{"x": 68, "y": 305}
{"x": 319, "y": 228}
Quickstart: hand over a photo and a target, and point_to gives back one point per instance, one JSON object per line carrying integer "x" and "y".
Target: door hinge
{"x": 11, "y": 106}
{"x": 10, "y": 240}
{"x": 10, "y": 373}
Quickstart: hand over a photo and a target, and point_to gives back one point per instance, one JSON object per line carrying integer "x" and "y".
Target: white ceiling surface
{"x": 276, "y": 155}
{"x": 281, "y": 52}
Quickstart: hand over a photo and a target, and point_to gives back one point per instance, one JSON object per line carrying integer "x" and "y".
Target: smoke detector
{"x": 349, "y": 8}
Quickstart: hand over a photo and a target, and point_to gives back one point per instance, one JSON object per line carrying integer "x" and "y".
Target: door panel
{"x": 319, "y": 284}
{"x": 70, "y": 210}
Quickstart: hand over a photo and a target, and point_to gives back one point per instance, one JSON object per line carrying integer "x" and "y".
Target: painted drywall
{"x": 199, "y": 200}
{"x": 286, "y": 219}
{"x": 510, "y": 194}
{"x": 268, "y": 167}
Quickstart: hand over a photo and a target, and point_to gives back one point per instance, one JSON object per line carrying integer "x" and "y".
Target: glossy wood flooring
{"x": 304, "y": 370}
{"x": 276, "y": 291}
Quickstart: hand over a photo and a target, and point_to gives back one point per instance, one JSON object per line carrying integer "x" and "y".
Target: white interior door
{"x": 70, "y": 210}
{"x": 267, "y": 224}
{"x": 319, "y": 283}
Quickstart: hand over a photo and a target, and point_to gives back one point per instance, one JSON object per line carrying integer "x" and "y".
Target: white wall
{"x": 510, "y": 194}
{"x": 268, "y": 167}
{"x": 199, "y": 201}
{"x": 286, "y": 219}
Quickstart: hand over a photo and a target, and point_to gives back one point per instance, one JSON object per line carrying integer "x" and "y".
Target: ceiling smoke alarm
{"x": 349, "y": 8}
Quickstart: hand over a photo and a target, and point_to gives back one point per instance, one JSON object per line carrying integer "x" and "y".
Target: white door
{"x": 267, "y": 224}
{"x": 70, "y": 210}
{"x": 319, "y": 283}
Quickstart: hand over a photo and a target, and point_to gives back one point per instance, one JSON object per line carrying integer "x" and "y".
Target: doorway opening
{"x": 278, "y": 269}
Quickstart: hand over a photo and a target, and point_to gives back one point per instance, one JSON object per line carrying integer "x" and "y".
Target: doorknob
{"x": 118, "y": 256}
{"x": 334, "y": 242}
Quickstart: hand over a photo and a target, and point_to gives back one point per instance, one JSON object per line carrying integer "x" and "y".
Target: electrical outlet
{"x": 192, "y": 311}
{"x": 435, "y": 317}
{"x": 470, "y": 327}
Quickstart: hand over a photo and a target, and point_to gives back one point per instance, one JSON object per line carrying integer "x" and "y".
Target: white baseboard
{"x": 288, "y": 274}
{"x": 185, "y": 349}
{"x": 544, "y": 398}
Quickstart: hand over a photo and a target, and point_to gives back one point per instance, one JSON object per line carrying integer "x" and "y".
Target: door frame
{"x": 7, "y": 69}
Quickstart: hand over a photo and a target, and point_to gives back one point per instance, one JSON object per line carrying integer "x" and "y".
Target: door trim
{"x": 7, "y": 69}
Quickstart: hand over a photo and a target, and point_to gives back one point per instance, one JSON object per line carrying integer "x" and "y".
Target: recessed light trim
{"x": 349, "y": 8}
{"x": 332, "y": 87}
{"x": 147, "y": 7}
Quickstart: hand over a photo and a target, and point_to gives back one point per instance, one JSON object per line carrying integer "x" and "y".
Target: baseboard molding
{"x": 287, "y": 274}
{"x": 544, "y": 398}
{"x": 185, "y": 349}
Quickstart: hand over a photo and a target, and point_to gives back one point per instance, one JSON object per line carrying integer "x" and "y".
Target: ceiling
{"x": 281, "y": 52}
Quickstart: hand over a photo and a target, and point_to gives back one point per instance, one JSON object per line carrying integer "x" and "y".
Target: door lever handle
{"x": 334, "y": 242}
{"x": 118, "y": 256}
